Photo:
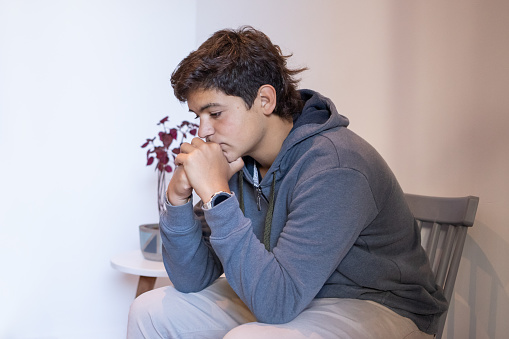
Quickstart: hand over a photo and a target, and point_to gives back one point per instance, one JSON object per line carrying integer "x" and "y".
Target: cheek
{"x": 229, "y": 128}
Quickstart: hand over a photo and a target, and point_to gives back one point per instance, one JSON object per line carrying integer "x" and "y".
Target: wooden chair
{"x": 444, "y": 223}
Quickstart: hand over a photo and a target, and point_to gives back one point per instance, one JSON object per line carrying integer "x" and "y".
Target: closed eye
{"x": 215, "y": 114}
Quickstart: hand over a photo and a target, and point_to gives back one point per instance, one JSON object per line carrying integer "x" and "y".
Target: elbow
{"x": 276, "y": 316}
{"x": 186, "y": 288}
{"x": 278, "y": 307}
{"x": 189, "y": 285}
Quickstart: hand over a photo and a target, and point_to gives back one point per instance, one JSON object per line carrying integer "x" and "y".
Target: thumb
{"x": 236, "y": 166}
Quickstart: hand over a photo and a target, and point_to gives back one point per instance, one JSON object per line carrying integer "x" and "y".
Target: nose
{"x": 205, "y": 130}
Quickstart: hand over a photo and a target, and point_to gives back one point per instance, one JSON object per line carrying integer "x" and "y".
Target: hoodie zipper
{"x": 256, "y": 183}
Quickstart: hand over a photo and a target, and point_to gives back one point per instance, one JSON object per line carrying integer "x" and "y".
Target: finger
{"x": 180, "y": 171}
{"x": 197, "y": 142}
{"x": 186, "y": 147}
{"x": 236, "y": 165}
{"x": 180, "y": 159}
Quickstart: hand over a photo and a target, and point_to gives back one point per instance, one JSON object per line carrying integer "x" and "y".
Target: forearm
{"x": 274, "y": 293}
{"x": 189, "y": 261}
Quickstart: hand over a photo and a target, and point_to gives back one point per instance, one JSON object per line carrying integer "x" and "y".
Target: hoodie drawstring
{"x": 270, "y": 212}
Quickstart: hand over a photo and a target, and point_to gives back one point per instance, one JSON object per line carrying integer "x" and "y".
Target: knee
{"x": 140, "y": 306}
{"x": 252, "y": 330}
{"x": 144, "y": 315}
{"x": 238, "y": 332}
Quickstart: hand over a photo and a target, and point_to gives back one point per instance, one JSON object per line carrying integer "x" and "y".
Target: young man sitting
{"x": 304, "y": 217}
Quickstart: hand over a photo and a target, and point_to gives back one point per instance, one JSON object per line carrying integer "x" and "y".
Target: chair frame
{"x": 447, "y": 221}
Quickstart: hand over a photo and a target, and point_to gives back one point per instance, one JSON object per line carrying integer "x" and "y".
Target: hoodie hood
{"x": 318, "y": 115}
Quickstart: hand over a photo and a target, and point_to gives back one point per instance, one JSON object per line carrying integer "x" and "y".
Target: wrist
{"x": 176, "y": 200}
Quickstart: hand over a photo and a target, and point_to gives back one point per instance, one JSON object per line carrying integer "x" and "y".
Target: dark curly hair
{"x": 238, "y": 62}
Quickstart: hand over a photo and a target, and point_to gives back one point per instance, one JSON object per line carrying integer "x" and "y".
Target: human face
{"x": 225, "y": 120}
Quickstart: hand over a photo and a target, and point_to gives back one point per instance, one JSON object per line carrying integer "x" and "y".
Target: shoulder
{"x": 336, "y": 147}
{"x": 332, "y": 150}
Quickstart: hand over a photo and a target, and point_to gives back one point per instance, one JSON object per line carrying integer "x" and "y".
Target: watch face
{"x": 216, "y": 199}
{"x": 219, "y": 198}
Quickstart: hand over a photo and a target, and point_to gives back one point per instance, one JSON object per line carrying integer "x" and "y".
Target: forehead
{"x": 203, "y": 99}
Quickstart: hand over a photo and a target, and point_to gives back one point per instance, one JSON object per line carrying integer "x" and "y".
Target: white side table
{"x": 134, "y": 263}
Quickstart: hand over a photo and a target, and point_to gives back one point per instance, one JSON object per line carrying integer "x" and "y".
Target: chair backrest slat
{"x": 432, "y": 245}
{"x": 445, "y": 259}
{"x": 445, "y": 221}
{"x": 455, "y": 262}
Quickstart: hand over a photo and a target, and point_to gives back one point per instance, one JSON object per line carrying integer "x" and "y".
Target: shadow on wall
{"x": 480, "y": 306}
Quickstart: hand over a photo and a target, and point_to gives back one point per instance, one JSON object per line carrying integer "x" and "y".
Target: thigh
{"x": 168, "y": 313}
{"x": 336, "y": 318}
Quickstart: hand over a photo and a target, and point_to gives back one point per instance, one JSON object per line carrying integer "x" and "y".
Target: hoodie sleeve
{"x": 189, "y": 259}
{"x": 324, "y": 218}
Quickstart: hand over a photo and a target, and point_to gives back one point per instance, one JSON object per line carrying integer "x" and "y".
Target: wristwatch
{"x": 216, "y": 199}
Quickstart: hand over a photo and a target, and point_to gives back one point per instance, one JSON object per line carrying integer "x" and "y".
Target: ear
{"x": 266, "y": 99}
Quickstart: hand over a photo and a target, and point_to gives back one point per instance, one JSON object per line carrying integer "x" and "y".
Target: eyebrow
{"x": 204, "y": 107}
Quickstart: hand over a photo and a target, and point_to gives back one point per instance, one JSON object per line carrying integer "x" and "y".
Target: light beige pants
{"x": 217, "y": 312}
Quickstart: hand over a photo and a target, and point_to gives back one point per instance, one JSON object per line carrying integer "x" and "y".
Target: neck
{"x": 275, "y": 135}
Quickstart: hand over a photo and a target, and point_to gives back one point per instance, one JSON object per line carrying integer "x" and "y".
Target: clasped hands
{"x": 203, "y": 167}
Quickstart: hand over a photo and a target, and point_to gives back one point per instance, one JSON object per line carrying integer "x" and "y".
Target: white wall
{"x": 82, "y": 85}
{"x": 426, "y": 83}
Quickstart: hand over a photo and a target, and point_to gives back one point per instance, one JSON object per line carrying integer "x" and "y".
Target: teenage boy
{"x": 304, "y": 218}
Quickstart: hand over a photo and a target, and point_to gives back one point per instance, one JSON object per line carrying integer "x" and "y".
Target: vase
{"x": 150, "y": 242}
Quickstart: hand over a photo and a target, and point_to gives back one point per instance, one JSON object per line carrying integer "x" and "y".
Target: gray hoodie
{"x": 340, "y": 229}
